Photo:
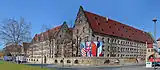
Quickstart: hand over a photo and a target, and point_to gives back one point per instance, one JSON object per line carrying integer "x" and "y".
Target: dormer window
{"x": 102, "y": 29}
{"x": 98, "y": 23}
{"x": 96, "y": 18}
{"x": 118, "y": 29}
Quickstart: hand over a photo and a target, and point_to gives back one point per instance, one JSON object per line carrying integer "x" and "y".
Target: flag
{"x": 83, "y": 51}
{"x": 94, "y": 48}
{"x": 99, "y": 48}
{"x": 88, "y": 49}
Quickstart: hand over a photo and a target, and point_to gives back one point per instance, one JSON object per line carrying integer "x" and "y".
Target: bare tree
{"x": 15, "y": 32}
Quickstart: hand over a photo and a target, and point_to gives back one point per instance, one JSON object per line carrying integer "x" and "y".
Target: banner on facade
{"x": 91, "y": 49}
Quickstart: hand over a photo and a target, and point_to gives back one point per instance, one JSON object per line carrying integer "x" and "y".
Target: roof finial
{"x": 64, "y": 22}
{"x": 81, "y": 7}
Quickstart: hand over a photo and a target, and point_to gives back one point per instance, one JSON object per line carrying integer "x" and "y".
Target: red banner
{"x": 156, "y": 59}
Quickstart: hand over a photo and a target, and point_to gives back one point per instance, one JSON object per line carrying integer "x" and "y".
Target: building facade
{"x": 119, "y": 41}
{"x": 55, "y": 42}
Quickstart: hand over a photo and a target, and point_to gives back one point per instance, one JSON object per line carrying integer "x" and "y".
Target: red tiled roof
{"x": 100, "y": 24}
{"x": 46, "y": 34}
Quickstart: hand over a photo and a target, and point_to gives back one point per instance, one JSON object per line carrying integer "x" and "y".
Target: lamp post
{"x": 154, "y": 20}
{"x": 42, "y": 50}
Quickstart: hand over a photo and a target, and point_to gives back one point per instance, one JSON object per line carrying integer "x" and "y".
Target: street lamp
{"x": 154, "y": 20}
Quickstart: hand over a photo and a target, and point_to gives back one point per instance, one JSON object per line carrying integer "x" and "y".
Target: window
{"x": 68, "y": 61}
{"x": 87, "y": 38}
{"x": 93, "y": 35}
{"x": 123, "y": 26}
{"x": 107, "y": 55}
{"x": 55, "y": 61}
{"x": 108, "y": 40}
{"x": 112, "y": 32}
{"x": 97, "y": 38}
{"x": 77, "y": 31}
{"x": 61, "y": 61}
{"x": 76, "y": 61}
{"x": 83, "y": 29}
{"x": 80, "y": 21}
{"x": 103, "y": 40}
{"x": 109, "y": 26}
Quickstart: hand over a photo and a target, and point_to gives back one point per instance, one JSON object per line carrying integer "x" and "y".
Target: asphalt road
{"x": 134, "y": 67}
{"x": 110, "y": 68}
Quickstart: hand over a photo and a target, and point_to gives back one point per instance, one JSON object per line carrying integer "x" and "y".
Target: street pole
{"x": 154, "y": 20}
{"x": 42, "y": 54}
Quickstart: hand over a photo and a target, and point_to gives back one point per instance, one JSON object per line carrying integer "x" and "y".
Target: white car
{"x": 21, "y": 59}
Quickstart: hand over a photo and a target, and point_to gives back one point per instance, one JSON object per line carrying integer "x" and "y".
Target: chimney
{"x": 107, "y": 19}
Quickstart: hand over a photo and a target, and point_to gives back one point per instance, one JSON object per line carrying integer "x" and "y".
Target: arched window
{"x": 55, "y": 61}
{"x": 61, "y": 61}
{"x": 76, "y": 61}
{"x": 68, "y": 61}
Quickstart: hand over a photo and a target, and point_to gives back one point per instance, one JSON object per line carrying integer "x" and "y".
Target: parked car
{"x": 155, "y": 64}
{"x": 8, "y": 58}
{"x": 21, "y": 59}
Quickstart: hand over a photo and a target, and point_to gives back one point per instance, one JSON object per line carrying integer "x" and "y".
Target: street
{"x": 110, "y": 68}
{"x": 135, "y": 67}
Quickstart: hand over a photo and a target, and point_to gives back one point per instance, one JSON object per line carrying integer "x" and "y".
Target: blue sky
{"x": 136, "y": 13}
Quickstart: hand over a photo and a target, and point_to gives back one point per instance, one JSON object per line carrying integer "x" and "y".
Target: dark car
{"x": 155, "y": 64}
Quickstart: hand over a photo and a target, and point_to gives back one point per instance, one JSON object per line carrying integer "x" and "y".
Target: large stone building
{"x": 120, "y": 41}
{"x": 50, "y": 43}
